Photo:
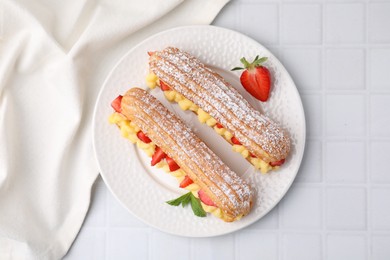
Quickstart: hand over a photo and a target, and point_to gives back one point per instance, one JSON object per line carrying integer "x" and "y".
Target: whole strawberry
{"x": 256, "y": 78}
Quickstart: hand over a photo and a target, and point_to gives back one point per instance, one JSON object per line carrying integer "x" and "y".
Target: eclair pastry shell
{"x": 224, "y": 187}
{"x": 209, "y": 91}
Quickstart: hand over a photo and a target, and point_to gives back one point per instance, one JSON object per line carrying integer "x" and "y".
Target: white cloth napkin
{"x": 54, "y": 56}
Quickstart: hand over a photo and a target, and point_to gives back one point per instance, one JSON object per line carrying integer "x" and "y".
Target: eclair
{"x": 173, "y": 146}
{"x": 195, "y": 87}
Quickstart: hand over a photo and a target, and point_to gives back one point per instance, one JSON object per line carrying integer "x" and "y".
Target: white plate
{"x": 142, "y": 189}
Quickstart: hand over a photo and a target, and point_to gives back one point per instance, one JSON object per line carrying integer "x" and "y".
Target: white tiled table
{"x": 338, "y": 53}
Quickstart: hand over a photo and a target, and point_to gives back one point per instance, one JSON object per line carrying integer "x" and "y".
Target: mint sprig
{"x": 187, "y": 198}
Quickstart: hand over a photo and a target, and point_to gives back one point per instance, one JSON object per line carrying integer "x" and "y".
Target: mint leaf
{"x": 179, "y": 200}
{"x": 187, "y": 198}
{"x": 197, "y": 207}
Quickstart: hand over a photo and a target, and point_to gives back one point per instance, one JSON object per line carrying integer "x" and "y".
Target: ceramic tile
{"x": 87, "y": 239}
{"x": 302, "y": 208}
{"x": 167, "y": 247}
{"x": 379, "y": 64}
{"x": 378, "y": 22}
{"x": 311, "y": 167}
{"x": 127, "y": 244}
{"x": 379, "y": 115}
{"x": 260, "y": 22}
{"x": 221, "y": 247}
{"x": 342, "y": 247}
{"x": 269, "y": 221}
{"x": 293, "y": 249}
{"x": 380, "y": 208}
{"x": 346, "y": 208}
{"x": 345, "y": 162}
{"x": 340, "y": 30}
{"x": 98, "y": 207}
{"x": 118, "y": 216}
{"x": 380, "y": 247}
{"x": 298, "y": 60}
{"x": 299, "y": 1}
{"x": 345, "y": 69}
{"x": 379, "y": 170}
{"x": 345, "y": 120}
{"x": 256, "y": 245}
{"x": 275, "y": 51}
{"x": 252, "y": 1}
{"x": 312, "y": 105}
{"x": 301, "y": 24}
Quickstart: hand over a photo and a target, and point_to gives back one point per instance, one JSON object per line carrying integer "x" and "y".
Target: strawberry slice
{"x": 235, "y": 141}
{"x": 277, "y": 163}
{"x": 164, "y": 86}
{"x": 116, "y": 104}
{"x": 185, "y": 182}
{"x": 252, "y": 155}
{"x": 205, "y": 199}
{"x": 172, "y": 164}
{"x": 219, "y": 125}
{"x": 157, "y": 156}
{"x": 143, "y": 137}
{"x": 256, "y": 78}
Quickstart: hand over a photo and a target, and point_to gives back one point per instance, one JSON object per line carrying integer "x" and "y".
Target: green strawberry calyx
{"x": 257, "y": 62}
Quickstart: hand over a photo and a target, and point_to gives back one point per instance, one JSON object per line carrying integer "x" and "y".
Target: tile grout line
{"x": 368, "y": 131}
{"x": 192, "y": 248}
{"x": 344, "y": 92}
{"x": 279, "y": 234}
{"x": 150, "y": 236}
{"x": 323, "y": 132}
{"x": 235, "y": 246}
{"x": 330, "y": 45}
{"x": 346, "y": 138}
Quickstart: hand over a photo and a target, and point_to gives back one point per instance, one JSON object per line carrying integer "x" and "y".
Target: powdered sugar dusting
{"x": 181, "y": 144}
{"x": 188, "y": 76}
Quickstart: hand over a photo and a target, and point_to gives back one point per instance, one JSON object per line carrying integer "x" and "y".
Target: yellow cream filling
{"x": 151, "y": 80}
{"x": 207, "y": 119}
{"x": 129, "y": 131}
